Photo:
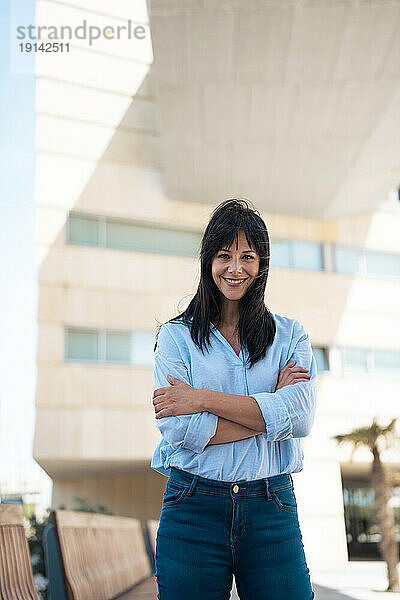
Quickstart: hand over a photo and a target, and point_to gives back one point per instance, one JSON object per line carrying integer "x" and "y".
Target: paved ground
{"x": 364, "y": 580}
{"x": 358, "y": 580}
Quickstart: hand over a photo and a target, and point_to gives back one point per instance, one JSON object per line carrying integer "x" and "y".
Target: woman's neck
{"x": 229, "y": 314}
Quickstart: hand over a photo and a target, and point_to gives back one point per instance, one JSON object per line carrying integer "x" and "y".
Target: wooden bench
{"x": 16, "y": 576}
{"x": 152, "y": 526}
{"x": 104, "y": 557}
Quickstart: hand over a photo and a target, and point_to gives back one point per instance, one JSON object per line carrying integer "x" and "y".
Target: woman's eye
{"x": 224, "y": 255}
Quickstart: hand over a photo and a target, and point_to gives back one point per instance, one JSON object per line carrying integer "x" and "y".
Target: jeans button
{"x": 235, "y": 489}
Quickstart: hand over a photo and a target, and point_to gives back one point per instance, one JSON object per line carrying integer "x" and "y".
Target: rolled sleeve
{"x": 191, "y": 432}
{"x": 289, "y": 412}
{"x": 200, "y": 430}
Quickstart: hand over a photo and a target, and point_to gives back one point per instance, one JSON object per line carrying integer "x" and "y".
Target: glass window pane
{"x": 142, "y": 348}
{"x": 383, "y": 264}
{"x": 387, "y": 361}
{"x": 151, "y": 239}
{"x": 83, "y": 231}
{"x": 320, "y": 359}
{"x": 348, "y": 260}
{"x": 280, "y": 254}
{"x": 355, "y": 360}
{"x": 82, "y": 345}
{"x": 118, "y": 347}
{"x": 307, "y": 255}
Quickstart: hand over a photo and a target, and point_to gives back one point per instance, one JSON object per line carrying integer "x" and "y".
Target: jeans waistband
{"x": 256, "y": 487}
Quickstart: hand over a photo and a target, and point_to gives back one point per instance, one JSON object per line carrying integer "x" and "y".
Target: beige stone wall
{"x": 130, "y": 495}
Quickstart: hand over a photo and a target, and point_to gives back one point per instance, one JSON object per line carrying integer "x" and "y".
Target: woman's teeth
{"x": 234, "y": 281}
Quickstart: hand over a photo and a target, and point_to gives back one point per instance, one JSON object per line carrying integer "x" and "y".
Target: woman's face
{"x": 234, "y": 269}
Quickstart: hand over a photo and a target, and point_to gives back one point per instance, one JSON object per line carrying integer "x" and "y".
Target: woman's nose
{"x": 235, "y": 266}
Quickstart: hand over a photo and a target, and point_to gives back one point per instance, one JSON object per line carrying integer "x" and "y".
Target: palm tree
{"x": 381, "y": 480}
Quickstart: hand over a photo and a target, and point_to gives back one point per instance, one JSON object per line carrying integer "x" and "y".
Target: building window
{"x": 136, "y": 348}
{"x": 296, "y": 255}
{"x": 83, "y": 231}
{"x": 348, "y": 261}
{"x": 382, "y": 264}
{"x": 107, "y": 232}
{"x": 82, "y": 345}
{"x": 362, "y": 360}
{"x": 143, "y": 348}
{"x": 356, "y": 261}
{"x": 320, "y": 356}
{"x": 386, "y": 361}
{"x": 118, "y": 347}
{"x": 361, "y": 518}
{"x": 355, "y": 360}
{"x": 133, "y": 348}
{"x": 280, "y": 254}
{"x": 128, "y": 235}
{"x": 307, "y": 255}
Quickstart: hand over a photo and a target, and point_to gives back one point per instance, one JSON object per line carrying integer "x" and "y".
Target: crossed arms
{"x": 194, "y": 419}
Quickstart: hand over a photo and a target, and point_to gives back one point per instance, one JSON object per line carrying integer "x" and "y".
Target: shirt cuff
{"x": 276, "y": 417}
{"x": 201, "y": 429}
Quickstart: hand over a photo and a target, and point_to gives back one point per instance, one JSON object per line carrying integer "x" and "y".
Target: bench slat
{"x": 102, "y": 555}
{"x": 144, "y": 591}
{"x": 152, "y": 527}
{"x": 16, "y": 576}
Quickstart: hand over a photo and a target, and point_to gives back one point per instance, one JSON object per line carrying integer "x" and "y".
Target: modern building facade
{"x": 133, "y": 153}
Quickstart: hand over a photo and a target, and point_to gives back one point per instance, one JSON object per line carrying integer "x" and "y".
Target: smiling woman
{"x": 235, "y": 392}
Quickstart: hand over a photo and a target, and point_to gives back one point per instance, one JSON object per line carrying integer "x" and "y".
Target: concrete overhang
{"x": 77, "y": 468}
{"x": 294, "y": 104}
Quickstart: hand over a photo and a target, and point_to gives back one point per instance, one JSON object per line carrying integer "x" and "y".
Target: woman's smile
{"x": 234, "y": 282}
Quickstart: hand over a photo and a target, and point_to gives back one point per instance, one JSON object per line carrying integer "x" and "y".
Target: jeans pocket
{"x": 174, "y": 494}
{"x": 285, "y": 498}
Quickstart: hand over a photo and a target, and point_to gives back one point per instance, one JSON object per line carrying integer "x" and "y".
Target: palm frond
{"x": 367, "y": 436}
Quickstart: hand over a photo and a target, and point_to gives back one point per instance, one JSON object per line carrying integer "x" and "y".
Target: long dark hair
{"x": 256, "y": 324}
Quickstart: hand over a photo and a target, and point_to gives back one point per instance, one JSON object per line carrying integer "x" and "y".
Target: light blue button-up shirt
{"x": 288, "y": 413}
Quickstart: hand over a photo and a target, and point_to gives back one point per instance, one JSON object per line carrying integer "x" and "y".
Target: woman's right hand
{"x": 291, "y": 374}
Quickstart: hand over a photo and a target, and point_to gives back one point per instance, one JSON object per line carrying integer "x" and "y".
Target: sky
{"x": 18, "y": 273}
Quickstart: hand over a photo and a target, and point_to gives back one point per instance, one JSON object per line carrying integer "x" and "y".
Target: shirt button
{"x": 235, "y": 489}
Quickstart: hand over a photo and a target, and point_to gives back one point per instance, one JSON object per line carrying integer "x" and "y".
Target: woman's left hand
{"x": 177, "y": 399}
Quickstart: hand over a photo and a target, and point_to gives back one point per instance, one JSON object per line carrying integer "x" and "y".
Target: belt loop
{"x": 266, "y": 481}
{"x": 192, "y": 485}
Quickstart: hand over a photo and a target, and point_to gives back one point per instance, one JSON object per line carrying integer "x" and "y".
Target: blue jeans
{"x": 211, "y": 530}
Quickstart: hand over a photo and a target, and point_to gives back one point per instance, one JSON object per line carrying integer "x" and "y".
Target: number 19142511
{"x": 44, "y": 47}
